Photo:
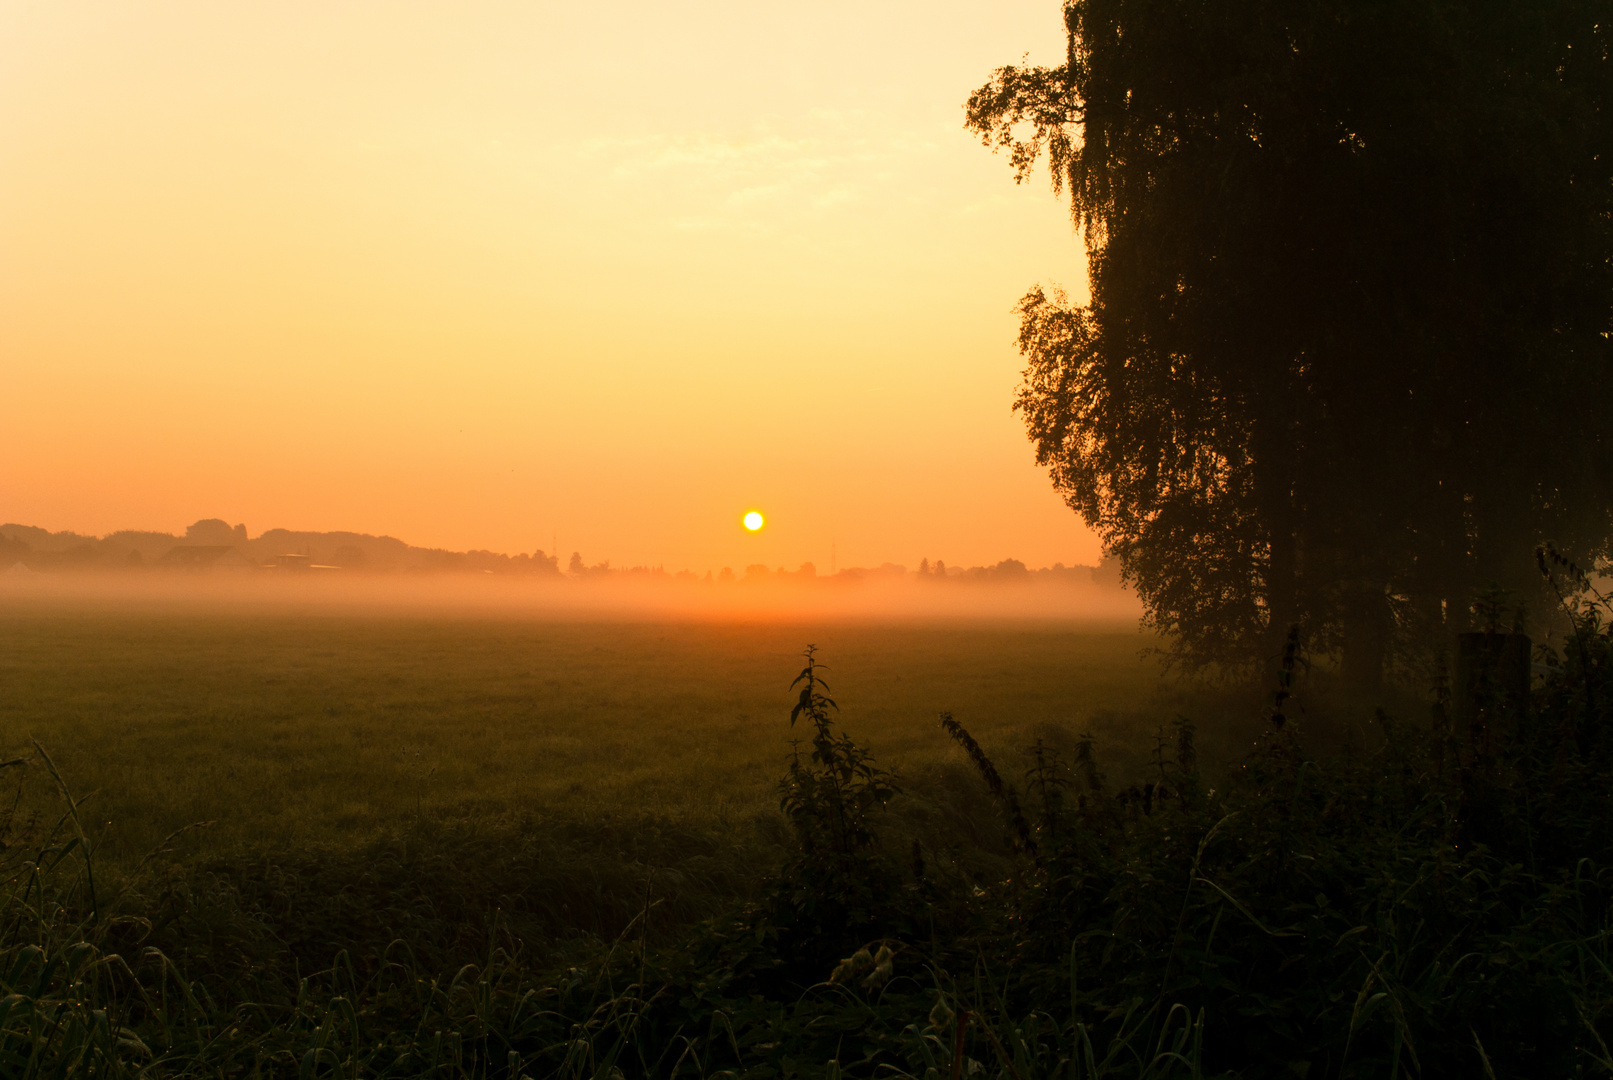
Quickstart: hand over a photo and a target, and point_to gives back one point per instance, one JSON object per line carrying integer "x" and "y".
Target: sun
{"x": 753, "y": 520}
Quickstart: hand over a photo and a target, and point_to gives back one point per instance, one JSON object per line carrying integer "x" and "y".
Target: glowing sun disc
{"x": 753, "y": 521}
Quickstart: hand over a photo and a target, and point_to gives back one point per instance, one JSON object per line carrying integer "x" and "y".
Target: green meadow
{"x": 276, "y": 841}
{"x": 283, "y": 730}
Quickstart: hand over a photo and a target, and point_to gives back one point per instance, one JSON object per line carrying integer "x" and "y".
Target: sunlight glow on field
{"x": 301, "y": 705}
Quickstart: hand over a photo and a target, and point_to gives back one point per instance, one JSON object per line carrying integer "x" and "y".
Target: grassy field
{"x": 284, "y": 729}
{"x": 475, "y": 845}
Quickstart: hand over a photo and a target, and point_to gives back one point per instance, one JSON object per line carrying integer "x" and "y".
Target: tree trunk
{"x": 1491, "y": 690}
{"x": 1366, "y": 642}
{"x": 1367, "y": 624}
{"x": 1282, "y": 588}
{"x": 1273, "y": 464}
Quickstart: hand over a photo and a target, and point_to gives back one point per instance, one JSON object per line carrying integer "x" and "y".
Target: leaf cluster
{"x": 1351, "y": 304}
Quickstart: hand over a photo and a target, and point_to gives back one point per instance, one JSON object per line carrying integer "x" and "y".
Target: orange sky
{"x": 496, "y": 274}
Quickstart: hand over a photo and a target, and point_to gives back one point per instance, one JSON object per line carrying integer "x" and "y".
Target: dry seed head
{"x": 941, "y": 1016}
{"x": 884, "y": 967}
{"x": 853, "y": 965}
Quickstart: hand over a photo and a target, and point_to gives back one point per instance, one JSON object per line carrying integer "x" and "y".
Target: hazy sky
{"x": 496, "y": 274}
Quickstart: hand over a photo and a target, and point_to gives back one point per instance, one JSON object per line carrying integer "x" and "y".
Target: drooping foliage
{"x": 1346, "y": 355}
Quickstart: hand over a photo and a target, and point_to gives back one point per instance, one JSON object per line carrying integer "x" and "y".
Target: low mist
{"x": 218, "y": 564}
{"x": 1064, "y": 594}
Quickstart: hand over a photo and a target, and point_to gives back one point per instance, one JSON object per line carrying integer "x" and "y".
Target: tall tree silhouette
{"x": 1346, "y": 357}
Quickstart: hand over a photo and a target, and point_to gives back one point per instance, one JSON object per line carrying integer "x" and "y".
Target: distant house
{"x": 300, "y": 562}
{"x": 199, "y": 557}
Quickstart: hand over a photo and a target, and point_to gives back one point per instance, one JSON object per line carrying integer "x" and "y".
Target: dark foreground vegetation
{"x": 1436, "y": 903}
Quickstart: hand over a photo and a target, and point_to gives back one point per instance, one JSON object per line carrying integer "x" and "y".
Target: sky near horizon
{"x": 497, "y": 275}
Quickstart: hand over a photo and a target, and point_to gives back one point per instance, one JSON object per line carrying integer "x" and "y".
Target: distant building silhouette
{"x": 200, "y": 557}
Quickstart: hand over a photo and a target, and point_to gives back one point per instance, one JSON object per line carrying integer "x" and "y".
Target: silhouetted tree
{"x": 349, "y": 555}
{"x": 1346, "y": 357}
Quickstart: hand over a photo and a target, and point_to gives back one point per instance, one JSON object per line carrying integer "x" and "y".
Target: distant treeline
{"x": 215, "y": 545}
{"x": 1005, "y": 572}
{"x": 41, "y": 550}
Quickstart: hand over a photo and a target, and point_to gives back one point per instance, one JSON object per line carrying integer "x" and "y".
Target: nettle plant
{"x": 835, "y": 889}
{"x": 830, "y": 798}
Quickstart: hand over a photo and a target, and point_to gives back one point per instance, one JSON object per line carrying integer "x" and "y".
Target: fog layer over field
{"x": 890, "y": 594}
{"x": 215, "y": 562}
